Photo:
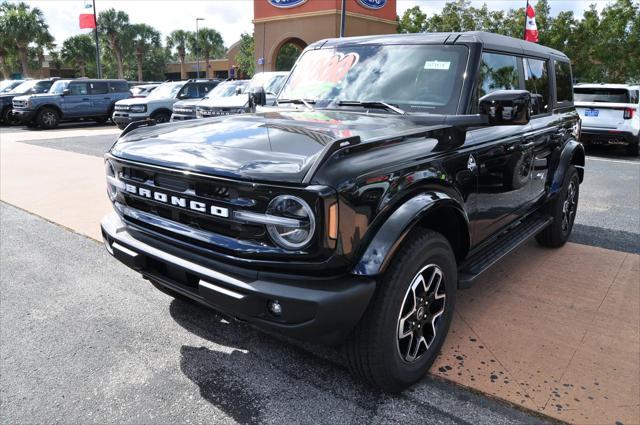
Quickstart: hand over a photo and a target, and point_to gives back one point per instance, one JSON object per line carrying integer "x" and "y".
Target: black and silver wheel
{"x": 563, "y": 210}
{"x": 406, "y": 323}
{"x": 421, "y": 310}
{"x": 48, "y": 118}
{"x": 8, "y": 118}
{"x": 161, "y": 117}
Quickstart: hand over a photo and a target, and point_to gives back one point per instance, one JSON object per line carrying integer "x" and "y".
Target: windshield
{"x": 603, "y": 95}
{"x": 166, "y": 90}
{"x": 8, "y": 85}
{"x": 227, "y": 89}
{"x": 29, "y": 87}
{"x": 58, "y": 87}
{"x": 424, "y": 78}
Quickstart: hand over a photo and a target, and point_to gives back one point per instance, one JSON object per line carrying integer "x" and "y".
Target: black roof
{"x": 489, "y": 41}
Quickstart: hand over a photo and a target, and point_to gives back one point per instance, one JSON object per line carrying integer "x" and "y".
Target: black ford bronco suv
{"x": 394, "y": 170}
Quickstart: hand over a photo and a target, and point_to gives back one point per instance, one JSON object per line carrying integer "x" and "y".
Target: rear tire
{"x": 563, "y": 209}
{"x": 634, "y": 148}
{"x": 414, "y": 301}
{"x": 48, "y": 118}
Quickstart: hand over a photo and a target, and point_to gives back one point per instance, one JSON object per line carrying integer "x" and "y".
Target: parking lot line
{"x": 621, "y": 161}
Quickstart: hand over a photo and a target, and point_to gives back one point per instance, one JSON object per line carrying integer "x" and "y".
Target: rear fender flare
{"x": 572, "y": 154}
{"x": 394, "y": 231}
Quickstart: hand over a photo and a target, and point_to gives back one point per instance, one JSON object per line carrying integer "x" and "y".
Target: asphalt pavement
{"x": 86, "y": 340}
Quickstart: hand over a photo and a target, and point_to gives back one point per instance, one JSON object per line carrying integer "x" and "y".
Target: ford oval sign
{"x": 373, "y": 4}
{"x": 287, "y": 3}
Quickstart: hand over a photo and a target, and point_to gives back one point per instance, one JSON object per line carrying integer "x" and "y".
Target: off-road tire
{"x": 8, "y": 118}
{"x": 161, "y": 117}
{"x": 554, "y": 235}
{"x": 48, "y": 118}
{"x": 372, "y": 351}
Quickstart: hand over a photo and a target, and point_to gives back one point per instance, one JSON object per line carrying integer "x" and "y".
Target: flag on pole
{"x": 530, "y": 29}
{"x": 87, "y": 17}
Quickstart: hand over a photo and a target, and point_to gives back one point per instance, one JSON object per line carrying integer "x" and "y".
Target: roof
{"x": 488, "y": 40}
{"x": 606, "y": 85}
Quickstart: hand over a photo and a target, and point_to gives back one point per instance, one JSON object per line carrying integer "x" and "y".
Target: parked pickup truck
{"x": 70, "y": 100}
{"x": 610, "y": 115}
{"x": 352, "y": 213}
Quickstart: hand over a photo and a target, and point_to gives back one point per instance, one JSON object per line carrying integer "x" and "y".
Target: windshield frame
{"x": 222, "y": 87}
{"x": 460, "y": 85}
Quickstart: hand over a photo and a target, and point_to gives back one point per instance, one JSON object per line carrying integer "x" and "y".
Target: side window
{"x": 43, "y": 87}
{"x": 206, "y": 88}
{"x": 98, "y": 87}
{"x": 564, "y": 84}
{"x": 497, "y": 72}
{"x": 633, "y": 94}
{"x": 118, "y": 87}
{"x": 536, "y": 81}
{"x": 189, "y": 91}
{"x": 78, "y": 88}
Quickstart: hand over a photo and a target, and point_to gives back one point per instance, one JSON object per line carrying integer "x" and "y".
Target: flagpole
{"x": 95, "y": 19}
{"x": 524, "y": 34}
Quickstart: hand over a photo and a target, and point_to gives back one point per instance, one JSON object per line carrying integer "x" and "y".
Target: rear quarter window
{"x": 564, "y": 82}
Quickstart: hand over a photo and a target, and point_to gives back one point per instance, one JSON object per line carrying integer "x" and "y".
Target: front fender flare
{"x": 396, "y": 228}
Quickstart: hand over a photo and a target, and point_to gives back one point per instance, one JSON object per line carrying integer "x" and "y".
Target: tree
{"x": 113, "y": 24}
{"x": 413, "y": 20}
{"x": 7, "y": 50}
{"x": 144, "y": 38}
{"x": 22, "y": 25}
{"x": 178, "y": 39}
{"x": 245, "y": 59}
{"x": 78, "y": 50}
{"x": 209, "y": 43}
{"x": 287, "y": 56}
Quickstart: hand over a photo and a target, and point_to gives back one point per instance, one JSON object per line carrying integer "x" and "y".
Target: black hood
{"x": 6, "y": 98}
{"x": 270, "y": 146}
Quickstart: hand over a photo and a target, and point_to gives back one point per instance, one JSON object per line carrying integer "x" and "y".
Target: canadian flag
{"x": 530, "y": 28}
{"x": 87, "y": 17}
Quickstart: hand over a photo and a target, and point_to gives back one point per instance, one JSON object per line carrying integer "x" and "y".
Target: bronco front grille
{"x": 122, "y": 108}
{"x": 19, "y": 104}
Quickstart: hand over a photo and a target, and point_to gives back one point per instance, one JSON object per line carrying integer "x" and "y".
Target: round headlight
{"x": 297, "y": 232}
{"x": 112, "y": 190}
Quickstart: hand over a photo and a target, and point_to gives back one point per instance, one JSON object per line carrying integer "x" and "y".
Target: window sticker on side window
{"x": 439, "y": 65}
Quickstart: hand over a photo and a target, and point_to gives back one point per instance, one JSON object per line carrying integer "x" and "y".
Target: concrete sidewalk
{"x": 554, "y": 331}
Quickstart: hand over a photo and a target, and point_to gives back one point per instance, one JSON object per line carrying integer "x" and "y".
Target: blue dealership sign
{"x": 287, "y": 3}
{"x": 373, "y": 4}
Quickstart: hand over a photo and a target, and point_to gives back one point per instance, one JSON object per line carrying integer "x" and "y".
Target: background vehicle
{"x": 186, "y": 109}
{"x": 71, "y": 100}
{"x": 8, "y": 85}
{"x": 25, "y": 88}
{"x": 610, "y": 115}
{"x": 270, "y": 82}
{"x": 354, "y": 214}
{"x": 159, "y": 103}
{"x": 143, "y": 90}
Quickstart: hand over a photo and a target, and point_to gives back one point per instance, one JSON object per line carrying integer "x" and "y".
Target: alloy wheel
{"x": 421, "y": 312}
{"x": 49, "y": 118}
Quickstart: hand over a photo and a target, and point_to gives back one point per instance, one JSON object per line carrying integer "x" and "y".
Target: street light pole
{"x": 198, "y": 49}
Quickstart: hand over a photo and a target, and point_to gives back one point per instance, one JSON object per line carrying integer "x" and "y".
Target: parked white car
{"x": 186, "y": 109}
{"x": 610, "y": 114}
{"x": 272, "y": 82}
{"x": 159, "y": 103}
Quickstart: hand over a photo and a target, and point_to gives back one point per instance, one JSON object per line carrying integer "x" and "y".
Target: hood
{"x": 186, "y": 103}
{"x": 237, "y": 101}
{"x": 8, "y": 97}
{"x": 35, "y": 96}
{"x": 277, "y": 145}
{"x": 143, "y": 101}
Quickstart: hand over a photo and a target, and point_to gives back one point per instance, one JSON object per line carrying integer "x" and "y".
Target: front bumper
{"x": 24, "y": 115}
{"x": 182, "y": 117}
{"x": 598, "y": 136}
{"x": 321, "y": 310}
{"x": 125, "y": 118}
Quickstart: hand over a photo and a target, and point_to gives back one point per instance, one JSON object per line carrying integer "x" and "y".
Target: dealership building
{"x": 285, "y": 26}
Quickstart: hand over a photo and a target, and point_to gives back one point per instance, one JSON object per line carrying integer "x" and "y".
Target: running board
{"x": 501, "y": 246}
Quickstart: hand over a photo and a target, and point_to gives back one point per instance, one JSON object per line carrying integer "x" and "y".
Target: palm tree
{"x": 144, "y": 36}
{"x": 113, "y": 24}
{"x": 22, "y": 25}
{"x": 6, "y": 50}
{"x": 178, "y": 39}
{"x": 43, "y": 41}
{"x": 78, "y": 49}
{"x": 210, "y": 43}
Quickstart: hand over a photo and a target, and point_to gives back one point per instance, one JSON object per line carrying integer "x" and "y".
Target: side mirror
{"x": 506, "y": 107}
{"x": 257, "y": 97}
{"x": 66, "y": 92}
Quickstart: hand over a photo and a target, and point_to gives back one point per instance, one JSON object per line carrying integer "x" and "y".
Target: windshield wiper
{"x": 372, "y": 104}
{"x": 306, "y": 102}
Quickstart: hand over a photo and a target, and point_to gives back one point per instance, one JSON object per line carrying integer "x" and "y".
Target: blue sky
{"x": 230, "y": 17}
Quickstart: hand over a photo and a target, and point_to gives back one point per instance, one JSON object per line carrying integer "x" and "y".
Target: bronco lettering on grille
{"x": 177, "y": 201}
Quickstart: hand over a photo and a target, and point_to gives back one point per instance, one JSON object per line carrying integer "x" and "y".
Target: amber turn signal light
{"x": 333, "y": 221}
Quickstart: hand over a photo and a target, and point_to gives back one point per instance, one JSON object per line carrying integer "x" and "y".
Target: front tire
{"x": 406, "y": 323}
{"x": 563, "y": 210}
{"x": 161, "y": 117}
{"x": 48, "y": 118}
{"x": 8, "y": 118}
